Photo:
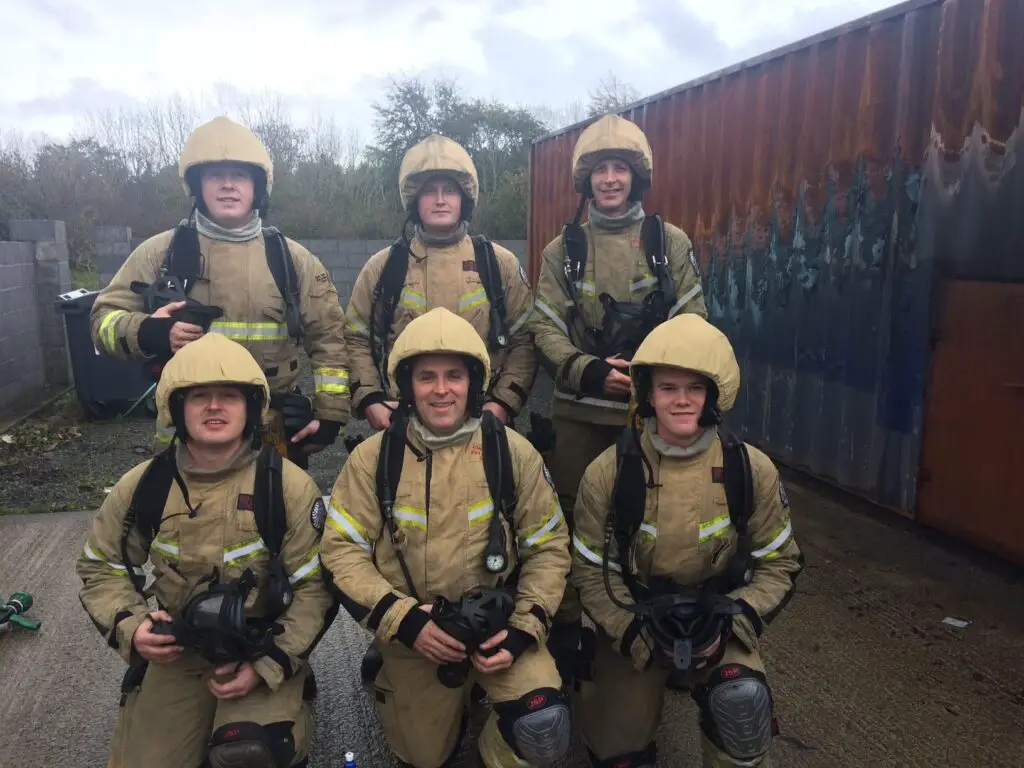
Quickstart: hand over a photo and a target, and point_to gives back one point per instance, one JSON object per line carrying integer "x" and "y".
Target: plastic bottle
{"x": 350, "y": 760}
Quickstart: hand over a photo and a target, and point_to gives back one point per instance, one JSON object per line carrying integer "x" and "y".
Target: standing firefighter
{"x": 232, "y": 530}
{"x": 683, "y": 552}
{"x": 445, "y": 539}
{"x": 241, "y": 279}
{"x": 440, "y": 266}
{"x": 603, "y": 286}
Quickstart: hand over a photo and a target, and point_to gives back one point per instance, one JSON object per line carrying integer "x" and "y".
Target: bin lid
{"x": 76, "y": 300}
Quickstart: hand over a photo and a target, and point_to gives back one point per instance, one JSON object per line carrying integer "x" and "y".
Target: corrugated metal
{"x": 825, "y": 186}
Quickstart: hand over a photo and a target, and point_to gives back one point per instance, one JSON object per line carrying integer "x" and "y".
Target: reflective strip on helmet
{"x": 472, "y": 299}
{"x": 690, "y": 294}
{"x": 538, "y": 534}
{"x": 413, "y": 299}
{"x": 116, "y": 568}
{"x": 586, "y": 287}
{"x": 309, "y": 568}
{"x": 413, "y": 517}
{"x": 613, "y": 404}
{"x": 346, "y": 525}
{"x": 773, "y": 549}
{"x": 553, "y": 315}
{"x": 645, "y": 281}
{"x": 357, "y": 323}
{"x": 244, "y": 552}
{"x": 481, "y": 512}
{"x": 587, "y": 553}
{"x": 167, "y": 547}
{"x": 521, "y": 320}
{"x": 239, "y": 331}
{"x": 108, "y": 330}
{"x": 649, "y": 529}
{"x": 715, "y": 528}
{"x": 334, "y": 380}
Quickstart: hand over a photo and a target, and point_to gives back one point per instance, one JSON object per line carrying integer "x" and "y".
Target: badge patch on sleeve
{"x": 522, "y": 274}
{"x": 469, "y": 266}
{"x": 245, "y": 501}
{"x": 693, "y": 262}
{"x": 318, "y": 515}
{"x": 782, "y": 494}
{"x": 547, "y": 476}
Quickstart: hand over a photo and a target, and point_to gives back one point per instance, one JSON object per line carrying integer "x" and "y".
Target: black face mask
{"x": 627, "y": 323}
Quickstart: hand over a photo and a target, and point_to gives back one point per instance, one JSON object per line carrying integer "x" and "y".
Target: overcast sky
{"x": 61, "y": 59}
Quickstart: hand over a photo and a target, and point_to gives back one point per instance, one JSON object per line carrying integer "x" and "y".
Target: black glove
{"x": 326, "y": 434}
{"x": 542, "y": 433}
{"x": 296, "y": 412}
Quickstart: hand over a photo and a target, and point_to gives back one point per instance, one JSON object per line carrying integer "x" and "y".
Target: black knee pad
{"x": 251, "y": 745}
{"x": 537, "y": 726}
{"x": 645, "y": 758}
{"x": 736, "y": 711}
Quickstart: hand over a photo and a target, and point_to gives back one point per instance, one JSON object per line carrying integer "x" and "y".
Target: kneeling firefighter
{"x": 222, "y": 269}
{"x": 683, "y": 553}
{"x": 604, "y": 285}
{"x": 232, "y": 531}
{"x": 445, "y": 539}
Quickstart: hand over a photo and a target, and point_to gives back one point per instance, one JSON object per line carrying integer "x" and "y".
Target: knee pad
{"x": 536, "y": 726}
{"x": 645, "y": 758}
{"x": 251, "y": 745}
{"x": 736, "y": 711}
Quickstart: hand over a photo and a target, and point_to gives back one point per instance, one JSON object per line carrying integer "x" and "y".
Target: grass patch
{"x": 87, "y": 277}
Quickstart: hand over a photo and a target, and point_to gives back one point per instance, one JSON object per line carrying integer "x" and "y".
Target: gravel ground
{"x": 56, "y": 461}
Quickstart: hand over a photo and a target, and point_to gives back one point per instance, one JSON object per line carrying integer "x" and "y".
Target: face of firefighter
{"x": 215, "y": 415}
{"x": 228, "y": 191}
{"x": 678, "y": 398}
{"x": 439, "y": 204}
{"x": 611, "y": 180}
{"x": 440, "y": 391}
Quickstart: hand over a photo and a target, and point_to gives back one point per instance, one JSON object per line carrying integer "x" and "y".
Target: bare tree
{"x": 611, "y": 95}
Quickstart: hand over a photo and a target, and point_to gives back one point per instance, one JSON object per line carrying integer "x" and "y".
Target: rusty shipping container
{"x": 856, "y": 201}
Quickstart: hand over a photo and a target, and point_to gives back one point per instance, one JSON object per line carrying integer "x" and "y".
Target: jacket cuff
{"x": 326, "y": 434}
{"x": 125, "y": 630}
{"x": 594, "y": 375}
{"x": 517, "y": 642}
{"x": 270, "y": 671}
{"x": 367, "y": 400}
{"x": 393, "y": 618}
{"x": 411, "y": 626}
{"x": 529, "y": 623}
{"x": 155, "y": 336}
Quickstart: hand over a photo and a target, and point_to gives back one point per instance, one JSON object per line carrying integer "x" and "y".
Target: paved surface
{"x": 864, "y": 671}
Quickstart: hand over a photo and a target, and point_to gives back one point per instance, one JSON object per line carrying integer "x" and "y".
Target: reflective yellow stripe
{"x": 588, "y": 553}
{"x": 715, "y": 528}
{"x": 586, "y": 288}
{"x": 330, "y": 380}
{"x": 357, "y": 323}
{"x": 472, "y": 299}
{"x": 481, "y": 512}
{"x": 773, "y": 549}
{"x": 164, "y": 433}
{"x": 115, "y": 568}
{"x": 241, "y": 553}
{"x": 346, "y": 525}
{"x": 309, "y": 568}
{"x": 167, "y": 547}
{"x": 108, "y": 330}
{"x": 644, "y": 281}
{"x": 649, "y": 529}
{"x": 412, "y": 517}
{"x": 413, "y": 299}
{"x": 250, "y": 331}
{"x": 540, "y": 533}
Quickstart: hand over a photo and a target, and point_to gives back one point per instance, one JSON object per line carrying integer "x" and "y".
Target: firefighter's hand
{"x": 379, "y": 414}
{"x": 156, "y": 648}
{"x": 498, "y": 410}
{"x": 306, "y": 431}
{"x": 488, "y": 665}
{"x": 237, "y": 680}
{"x": 616, "y": 382}
{"x": 437, "y": 645}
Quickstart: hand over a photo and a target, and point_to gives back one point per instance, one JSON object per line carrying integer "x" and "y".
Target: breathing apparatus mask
{"x": 473, "y": 619}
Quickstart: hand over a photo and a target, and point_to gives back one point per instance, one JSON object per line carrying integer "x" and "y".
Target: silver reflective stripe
{"x": 588, "y": 554}
{"x": 690, "y": 294}
{"x": 472, "y": 299}
{"x": 709, "y": 529}
{"x": 541, "y": 535}
{"x": 250, "y": 331}
{"x": 358, "y": 325}
{"x": 108, "y": 329}
{"x": 411, "y": 516}
{"x": 551, "y": 313}
{"x": 586, "y": 288}
{"x": 169, "y": 548}
{"x": 91, "y": 554}
{"x": 776, "y": 544}
{"x": 480, "y": 512}
{"x": 647, "y": 282}
{"x": 592, "y": 401}
{"x": 344, "y": 523}
{"x": 519, "y": 323}
{"x": 650, "y": 530}
{"x": 310, "y": 566}
{"x": 238, "y": 553}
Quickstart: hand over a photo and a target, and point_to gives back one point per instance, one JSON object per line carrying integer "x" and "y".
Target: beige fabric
{"x": 436, "y": 155}
{"x": 223, "y": 140}
{"x": 611, "y": 136}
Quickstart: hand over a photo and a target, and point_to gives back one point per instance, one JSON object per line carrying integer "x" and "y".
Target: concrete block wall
{"x": 33, "y": 272}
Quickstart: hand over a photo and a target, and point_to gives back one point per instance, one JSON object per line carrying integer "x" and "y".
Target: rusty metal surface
{"x": 826, "y": 186}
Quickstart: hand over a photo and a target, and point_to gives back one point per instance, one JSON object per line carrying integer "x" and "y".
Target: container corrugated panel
{"x": 826, "y": 186}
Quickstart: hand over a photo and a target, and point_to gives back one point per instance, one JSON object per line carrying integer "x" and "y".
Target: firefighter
{"x": 586, "y": 329}
{"x": 721, "y": 560}
{"x": 440, "y": 265}
{"x": 229, "y": 691}
{"x": 250, "y": 283}
{"x": 451, "y": 543}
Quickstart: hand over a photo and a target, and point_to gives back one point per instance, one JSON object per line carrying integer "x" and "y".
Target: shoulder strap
{"x": 652, "y": 234}
{"x": 279, "y": 260}
{"x": 739, "y": 495}
{"x": 386, "y": 295}
{"x": 501, "y": 481}
{"x": 146, "y": 508}
{"x": 629, "y": 499}
{"x": 268, "y": 500}
{"x": 183, "y": 258}
{"x": 389, "y": 472}
{"x": 574, "y": 256}
{"x": 490, "y": 276}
